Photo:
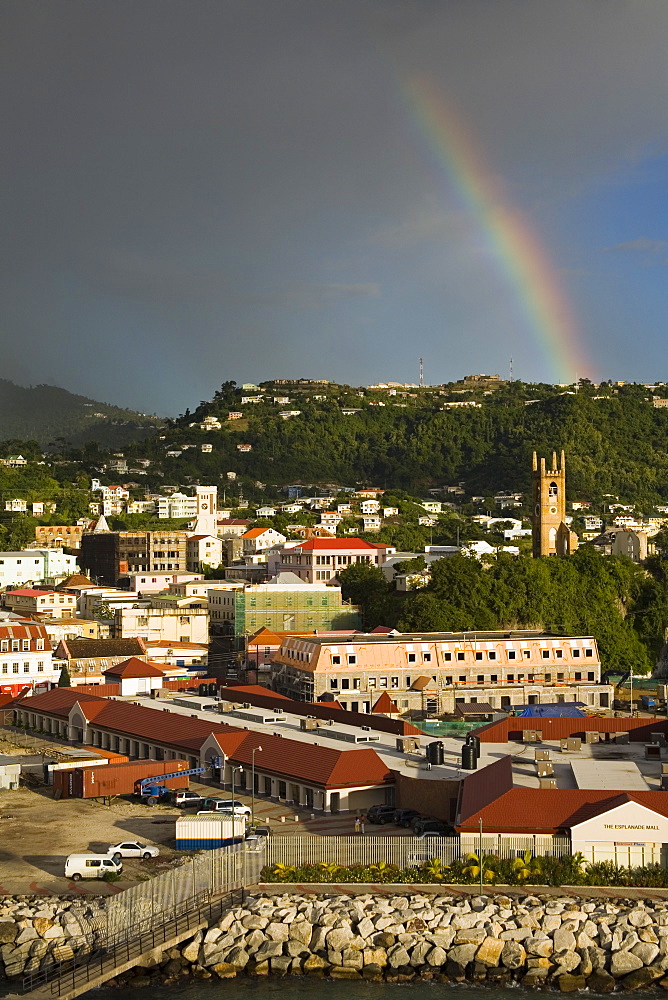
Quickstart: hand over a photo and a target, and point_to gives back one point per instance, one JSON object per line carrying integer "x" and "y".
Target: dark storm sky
{"x": 194, "y": 191}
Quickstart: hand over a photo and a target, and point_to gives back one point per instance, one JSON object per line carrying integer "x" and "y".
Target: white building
{"x": 26, "y": 659}
{"x": 35, "y": 566}
{"x": 203, "y": 550}
{"x": 177, "y": 506}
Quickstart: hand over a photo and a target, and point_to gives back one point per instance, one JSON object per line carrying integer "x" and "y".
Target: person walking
{"x": 362, "y": 822}
{"x": 357, "y": 824}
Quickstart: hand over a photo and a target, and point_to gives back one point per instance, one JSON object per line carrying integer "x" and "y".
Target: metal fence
{"x": 196, "y": 880}
{"x": 400, "y": 851}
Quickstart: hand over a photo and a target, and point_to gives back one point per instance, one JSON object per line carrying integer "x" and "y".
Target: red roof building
{"x": 321, "y": 559}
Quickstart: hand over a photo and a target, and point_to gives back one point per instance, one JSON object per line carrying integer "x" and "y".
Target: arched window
{"x": 552, "y": 490}
{"x": 553, "y": 537}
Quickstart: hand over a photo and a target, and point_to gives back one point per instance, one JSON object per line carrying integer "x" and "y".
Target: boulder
{"x": 563, "y": 940}
{"x": 601, "y": 981}
{"x": 338, "y": 938}
{"x": 268, "y": 949}
{"x": 623, "y": 962}
{"x": 569, "y": 983}
{"x": 645, "y": 951}
{"x": 639, "y": 918}
{"x": 277, "y": 932}
{"x": 341, "y": 972}
{"x": 41, "y": 924}
{"x": 640, "y": 978}
{"x": 397, "y": 956}
{"x": 191, "y": 950}
{"x": 238, "y": 957}
{"x": 375, "y": 956}
{"x": 280, "y": 966}
{"x": 314, "y": 964}
{"x": 8, "y": 931}
{"x": 489, "y": 952}
{"x": 373, "y": 973}
{"x": 437, "y": 957}
{"x": 301, "y": 931}
{"x": 225, "y": 971}
{"x": 513, "y": 955}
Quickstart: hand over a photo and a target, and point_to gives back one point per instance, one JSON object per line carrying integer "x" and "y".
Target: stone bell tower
{"x": 551, "y": 535}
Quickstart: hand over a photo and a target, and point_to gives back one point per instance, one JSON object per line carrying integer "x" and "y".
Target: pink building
{"x": 323, "y": 558}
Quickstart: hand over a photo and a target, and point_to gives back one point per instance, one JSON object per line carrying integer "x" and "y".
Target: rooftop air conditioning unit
{"x": 366, "y": 729}
{"x": 246, "y": 704}
{"x": 541, "y": 754}
{"x": 548, "y": 782}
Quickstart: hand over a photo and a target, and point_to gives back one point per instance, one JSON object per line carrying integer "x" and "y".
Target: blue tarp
{"x": 559, "y": 709}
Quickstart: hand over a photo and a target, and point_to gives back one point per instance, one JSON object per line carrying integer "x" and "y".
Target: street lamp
{"x": 253, "y": 784}
{"x": 232, "y": 770}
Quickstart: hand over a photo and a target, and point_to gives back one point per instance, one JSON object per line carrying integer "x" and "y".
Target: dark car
{"x": 429, "y": 824}
{"x": 381, "y": 815}
{"x": 405, "y": 817}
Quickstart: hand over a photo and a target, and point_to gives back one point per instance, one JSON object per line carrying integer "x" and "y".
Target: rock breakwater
{"x": 531, "y": 940}
{"x": 535, "y": 941}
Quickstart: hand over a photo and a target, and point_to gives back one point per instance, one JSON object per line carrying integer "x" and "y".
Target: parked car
{"x": 133, "y": 849}
{"x": 262, "y": 831}
{"x": 381, "y": 815}
{"x": 185, "y": 799}
{"x": 255, "y": 844}
{"x": 428, "y": 824}
{"x": 405, "y": 817}
{"x": 216, "y": 804}
{"x": 78, "y": 866}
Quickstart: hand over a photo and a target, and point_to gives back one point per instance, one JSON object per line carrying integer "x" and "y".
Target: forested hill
{"x": 616, "y": 441}
{"x": 44, "y": 413}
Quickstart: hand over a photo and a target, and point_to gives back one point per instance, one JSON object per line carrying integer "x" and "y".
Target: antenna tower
{"x": 511, "y": 369}
{"x": 421, "y": 373}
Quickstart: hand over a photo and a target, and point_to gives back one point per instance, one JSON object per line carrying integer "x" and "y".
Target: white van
{"x": 80, "y": 866}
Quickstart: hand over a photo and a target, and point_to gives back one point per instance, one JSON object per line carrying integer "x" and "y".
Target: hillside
{"x": 44, "y": 413}
{"x": 616, "y": 441}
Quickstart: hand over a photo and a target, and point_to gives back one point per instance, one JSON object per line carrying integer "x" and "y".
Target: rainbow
{"x": 517, "y": 249}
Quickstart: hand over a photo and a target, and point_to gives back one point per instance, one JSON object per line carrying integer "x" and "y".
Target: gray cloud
{"x": 641, "y": 245}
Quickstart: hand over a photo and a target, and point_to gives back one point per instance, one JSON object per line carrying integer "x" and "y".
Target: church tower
{"x": 551, "y": 535}
{"x": 207, "y": 506}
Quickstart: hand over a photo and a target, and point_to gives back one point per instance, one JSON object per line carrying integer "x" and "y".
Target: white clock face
{"x": 205, "y": 506}
{"x": 553, "y": 510}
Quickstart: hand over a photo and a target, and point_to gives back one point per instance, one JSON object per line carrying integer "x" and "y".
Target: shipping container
{"x": 115, "y": 779}
{"x": 205, "y": 833}
{"x": 112, "y": 756}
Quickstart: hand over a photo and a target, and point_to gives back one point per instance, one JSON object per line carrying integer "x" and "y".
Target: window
{"x": 345, "y": 683}
{"x": 480, "y": 678}
{"x": 492, "y": 655}
{"x": 462, "y": 678}
{"x": 4, "y": 646}
{"x": 590, "y": 676}
{"x": 411, "y": 657}
{"x": 558, "y": 654}
{"x": 494, "y": 678}
{"x": 448, "y": 680}
{"x": 352, "y": 659}
{"x": 40, "y": 644}
{"x": 545, "y": 653}
{"x": 26, "y": 668}
{"x": 394, "y": 682}
{"x": 478, "y": 655}
{"x": 520, "y": 677}
{"x": 15, "y": 668}
{"x": 26, "y": 645}
{"x": 336, "y": 659}
{"x": 142, "y": 620}
{"x": 460, "y": 656}
{"x": 548, "y": 677}
{"x": 4, "y": 668}
{"x": 589, "y": 652}
{"x": 15, "y": 645}
{"x": 426, "y": 657}
{"x": 576, "y": 654}
{"x": 333, "y": 683}
{"x": 578, "y": 675}
{"x": 526, "y": 653}
{"x": 560, "y": 677}
{"x": 511, "y": 677}
{"x": 372, "y": 682}
{"x": 356, "y": 683}
{"x": 447, "y": 656}
{"x": 383, "y": 682}
{"x": 408, "y": 682}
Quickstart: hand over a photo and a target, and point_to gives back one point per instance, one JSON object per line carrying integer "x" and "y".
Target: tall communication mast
{"x": 421, "y": 373}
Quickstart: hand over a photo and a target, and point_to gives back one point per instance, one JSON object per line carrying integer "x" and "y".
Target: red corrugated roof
{"x": 59, "y": 701}
{"x": 334, "y": 543}
{"x": 548, "y": 810}
{"x": 27, "y": 592}
{"x": 317, "y": 765}
{"x": 134, "y": 667}
{"x": 385, "y": 706}
{"x": 179, "y": 731}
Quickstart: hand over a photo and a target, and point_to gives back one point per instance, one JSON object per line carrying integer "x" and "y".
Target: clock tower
{"x": 551, "y": 535}
{"x": 207, "y": 508}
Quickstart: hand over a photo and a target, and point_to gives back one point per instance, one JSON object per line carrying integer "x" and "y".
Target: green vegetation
{"x": 527, "y": 870}
{"x": 615, "y": 440}
{"x": 64, "y": 681}
{"x": 623, "y": 605}
{"x": 47, "y": 413}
